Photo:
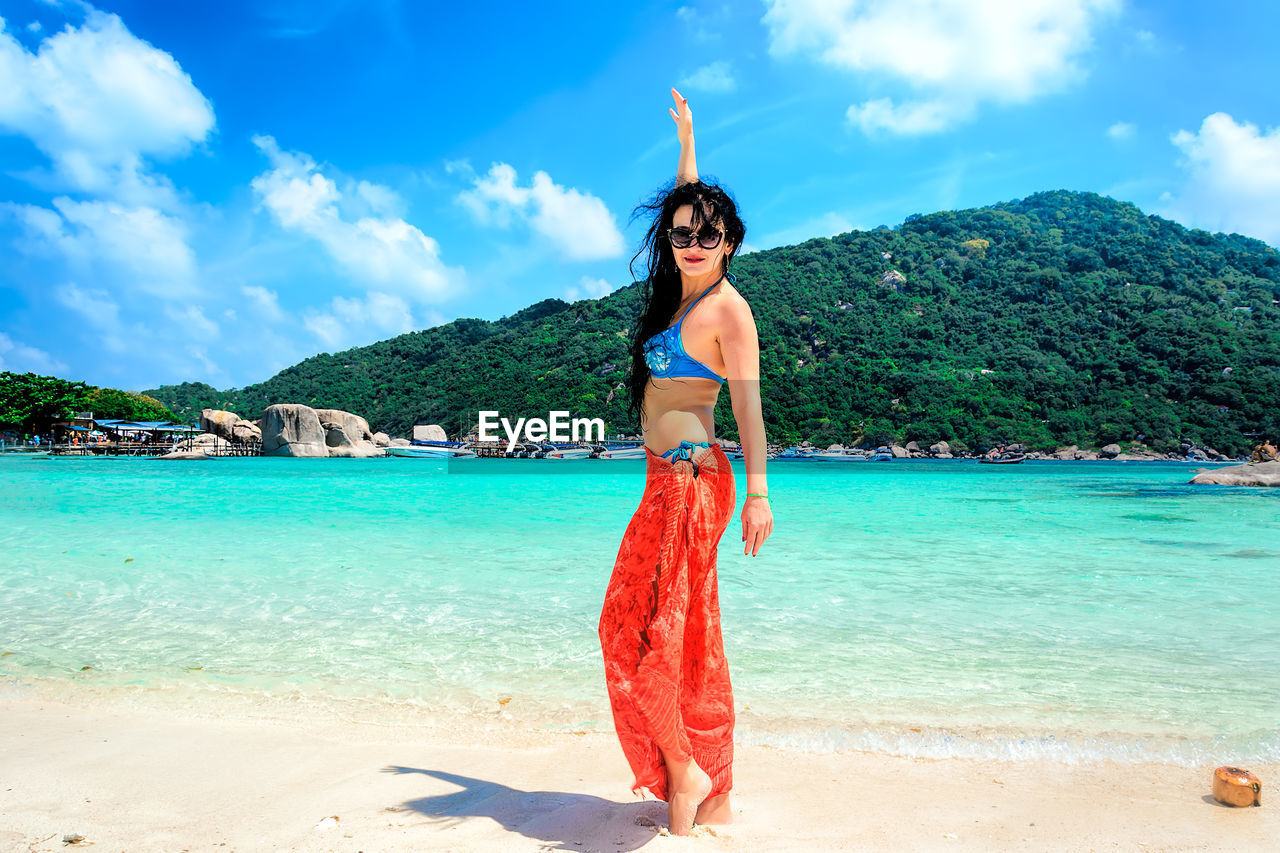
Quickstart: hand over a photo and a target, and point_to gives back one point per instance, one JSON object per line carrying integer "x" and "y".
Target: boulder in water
{"x": 347, "y": 435}
{"x": 289, "y": 429}
{"x": 1249, "y": 474}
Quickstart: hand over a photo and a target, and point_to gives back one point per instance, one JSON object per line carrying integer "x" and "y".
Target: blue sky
{"x": 213, "y": 191}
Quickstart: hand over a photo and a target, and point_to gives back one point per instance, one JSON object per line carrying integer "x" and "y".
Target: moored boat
{"x": 840, "y": 456}
{"x": 432, "y": 450}
{"x": 570, "y": 453}
{"x": 623, "y": 453}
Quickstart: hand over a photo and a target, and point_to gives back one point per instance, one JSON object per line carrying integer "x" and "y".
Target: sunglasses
{"x": 683, "y": 238}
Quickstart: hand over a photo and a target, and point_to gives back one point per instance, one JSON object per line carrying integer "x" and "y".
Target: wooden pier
{"x": 219, "y": 448}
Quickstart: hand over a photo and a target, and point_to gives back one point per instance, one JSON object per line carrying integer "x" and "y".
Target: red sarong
{"x": 664, "y": 658}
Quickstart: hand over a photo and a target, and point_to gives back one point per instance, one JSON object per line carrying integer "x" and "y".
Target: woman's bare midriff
{"x": 679, "y": 409}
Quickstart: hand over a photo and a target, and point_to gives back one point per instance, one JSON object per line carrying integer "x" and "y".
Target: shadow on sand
{"x": 567, "y": 821}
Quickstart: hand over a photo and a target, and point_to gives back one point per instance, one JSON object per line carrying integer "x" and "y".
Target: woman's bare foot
{"x": 685, "y": 794}
{"x": 714, "y": 810}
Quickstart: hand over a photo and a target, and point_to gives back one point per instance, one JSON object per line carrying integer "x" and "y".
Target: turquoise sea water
{"x": 1072, "y": 610}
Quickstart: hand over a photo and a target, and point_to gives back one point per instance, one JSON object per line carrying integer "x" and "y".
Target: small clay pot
{"x": 1235, "y": 787}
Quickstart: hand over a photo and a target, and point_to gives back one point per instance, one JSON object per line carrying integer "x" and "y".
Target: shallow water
{"x": 1075, "y": 610}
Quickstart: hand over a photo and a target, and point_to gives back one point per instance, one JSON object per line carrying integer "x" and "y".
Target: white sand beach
{"x": 128, "y": 777}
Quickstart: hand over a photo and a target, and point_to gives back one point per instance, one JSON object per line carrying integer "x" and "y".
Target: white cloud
{"x": 141, "y": 241}
{"x": 588, "y": 288}
{"x": 17, "y": 357}
{"x": 1122, "y": 130}
{"x": 459, "y": 166}
{"x": 380, "y": 200}
{"x": 97, "y": 101}
{"x": 578, "y": 224}
{"x": 137, "y": 248}
{"x": 1232, "y": 178}
{"x": 714, "y": 78}
{"x": 102, "y": 106}
{"x": 190, "y": 319}
{"x": 950, "y": 56}
{"x": 102, "y": 313}
{"x": 702, "y": 24}
{"x": 96, "y": 306}
{"x": 208, "y": 367}
{"x": 883, "y": 115}
{"x": 384, "y": 252}
{"x": 264, "y": 303}
{"x": 348, "y": 321}
{"x": 495, "y": 196}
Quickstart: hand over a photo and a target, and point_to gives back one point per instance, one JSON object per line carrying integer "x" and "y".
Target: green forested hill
{"x": 1062, "y": 318}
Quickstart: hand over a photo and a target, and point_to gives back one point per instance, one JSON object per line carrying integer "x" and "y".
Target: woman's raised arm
{"x": 687, "y": 168}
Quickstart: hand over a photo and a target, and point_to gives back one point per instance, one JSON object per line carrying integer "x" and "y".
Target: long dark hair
{"x": 661, "y": 287}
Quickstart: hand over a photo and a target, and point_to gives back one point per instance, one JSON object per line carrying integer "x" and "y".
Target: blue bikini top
{"x": 665, "y": 355}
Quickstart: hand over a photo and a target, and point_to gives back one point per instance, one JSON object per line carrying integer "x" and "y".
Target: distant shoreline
{"x": 105, "y": 451}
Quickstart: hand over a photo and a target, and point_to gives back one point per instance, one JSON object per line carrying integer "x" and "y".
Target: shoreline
{"x": 142, "y": 779}
{"x": 199, "y": 455}
{"x": 514, "y": 716}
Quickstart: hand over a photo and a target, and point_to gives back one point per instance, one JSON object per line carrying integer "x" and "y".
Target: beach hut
{"x": 146, "y": 434}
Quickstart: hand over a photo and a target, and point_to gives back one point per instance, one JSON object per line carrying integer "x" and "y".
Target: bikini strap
{"x": 696, "y": 301}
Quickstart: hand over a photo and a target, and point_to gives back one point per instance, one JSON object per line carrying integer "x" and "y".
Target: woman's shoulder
{"x": 731, "y": 310}
{"x": 731, "y": 298}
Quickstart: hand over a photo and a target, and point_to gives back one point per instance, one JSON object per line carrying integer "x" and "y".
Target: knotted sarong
{"x": 664, "y": 660}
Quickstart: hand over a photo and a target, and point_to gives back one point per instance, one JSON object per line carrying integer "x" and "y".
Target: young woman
{"x": 665, "y": 667}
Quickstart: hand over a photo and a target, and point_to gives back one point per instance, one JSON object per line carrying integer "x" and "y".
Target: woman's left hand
{"x": 757, "y": 524}
{"x": 683, "y": 117}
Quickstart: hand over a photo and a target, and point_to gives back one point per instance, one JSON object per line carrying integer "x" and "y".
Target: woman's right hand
{"x": 683, "y": 118}
{"x": 757, "y": 524}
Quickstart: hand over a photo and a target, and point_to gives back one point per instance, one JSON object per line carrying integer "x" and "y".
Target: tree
{"x": 33, "y": 402}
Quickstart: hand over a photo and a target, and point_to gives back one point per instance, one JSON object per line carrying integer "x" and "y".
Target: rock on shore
{"x": 289, "y": 429}
{"x": 348, "y": 435}
{"x": 1249, "y": 474}
{"x": 229, "y": 426}
{"x": 429, "y": 432}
